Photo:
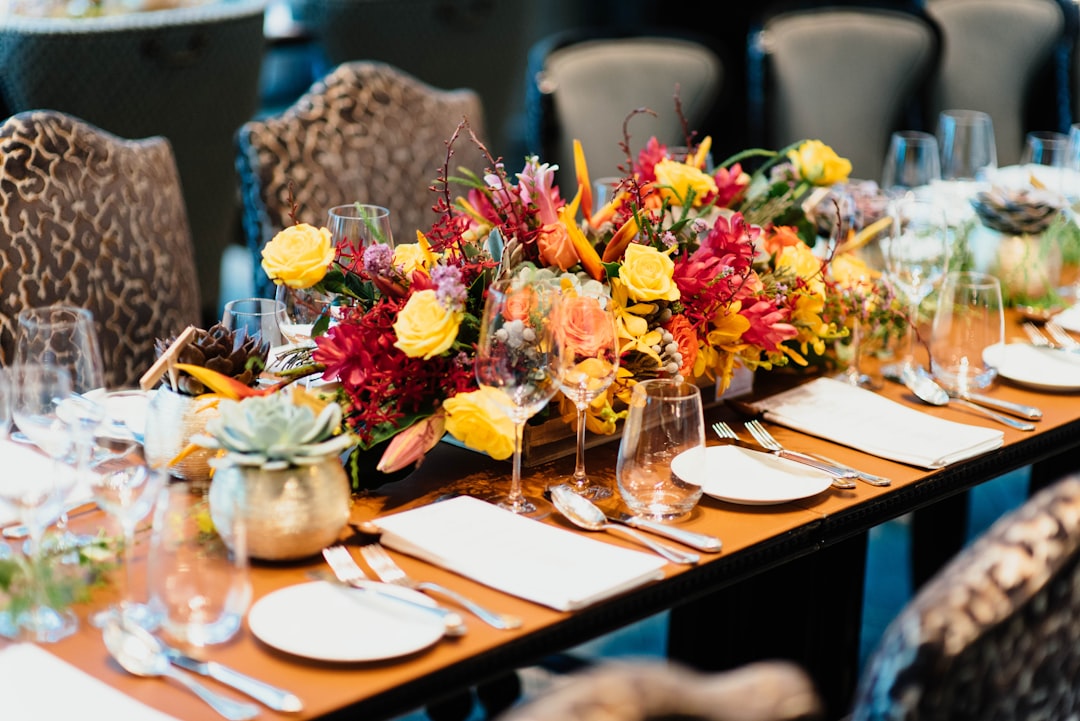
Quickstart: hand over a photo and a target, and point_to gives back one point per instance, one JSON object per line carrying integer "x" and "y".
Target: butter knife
{"x": 842, "y": 477}
{"x": 264, "y": 693}
{"x": 700, "y": 541}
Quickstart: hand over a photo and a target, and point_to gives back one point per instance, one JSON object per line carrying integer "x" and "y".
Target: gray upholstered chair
{"x": 846, "y": 74}
{"x": 993, "y": 50}
{"x": 996, "y": 634}
{"x": 96, "y": 221}
{"x": 655, "y": 690}
{"x": 190, "y": 74}
{"x": 366, "y": 132}
{"x": 584, "y": 86}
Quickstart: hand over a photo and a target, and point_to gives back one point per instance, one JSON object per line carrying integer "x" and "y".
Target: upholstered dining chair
{"x": 96, "y": 221}
{"x": 992, "y": 54}
{"x": 996, "y": 633}
{"x": 583, "y": 84}
{"x": 190, "y": 74}
{"x": 848, "y": 74}
{"x": 655, "y": 690}
{"x": 366, "y": 132}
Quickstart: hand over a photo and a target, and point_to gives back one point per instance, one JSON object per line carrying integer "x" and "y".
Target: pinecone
{"x": 220, "y": 349}
{"x": 1017, "y": 212}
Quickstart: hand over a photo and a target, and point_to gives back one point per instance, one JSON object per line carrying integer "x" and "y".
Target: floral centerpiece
{"x": 705, "y": 269}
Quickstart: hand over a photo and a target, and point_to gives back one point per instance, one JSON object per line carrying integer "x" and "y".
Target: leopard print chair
{"x": 96, "y": 221}
{"x": 367, "y": 132}
{"x": 996, "y": 634}
{"x": 655, "y": 691}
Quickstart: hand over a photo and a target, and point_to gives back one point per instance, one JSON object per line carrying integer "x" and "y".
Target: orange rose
{"x": 556, "y": 247}
{"x": 687, "y": 341}
{"x": 586, "y": 327}
{"x": 519, "y": 303}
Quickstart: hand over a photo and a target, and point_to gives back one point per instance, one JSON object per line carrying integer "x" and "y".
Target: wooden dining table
{"x": 788, "y": 582}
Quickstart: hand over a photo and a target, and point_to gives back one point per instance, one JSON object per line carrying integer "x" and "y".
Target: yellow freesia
{"x": 676, "y": 181}
{"x": 817, "y": 163}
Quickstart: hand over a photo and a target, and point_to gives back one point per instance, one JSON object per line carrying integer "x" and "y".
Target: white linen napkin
{"x": 38, "y": 685}
{"x": 855, "y": 417}
{"x": 541, "y": 563}
{"x": 24, "y": 465}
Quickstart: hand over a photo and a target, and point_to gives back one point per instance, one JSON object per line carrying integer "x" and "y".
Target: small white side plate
{"x": 1042, "y": 368}
{"x": 739, "y": 475}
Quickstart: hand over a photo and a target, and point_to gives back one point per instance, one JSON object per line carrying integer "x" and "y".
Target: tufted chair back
{"x": 367, "y": 132}
{"x": 92, "y": 220}
{"x": 992, "y": 54}
{"x": 848, "y": 75}
{"x": 996, "y": 634}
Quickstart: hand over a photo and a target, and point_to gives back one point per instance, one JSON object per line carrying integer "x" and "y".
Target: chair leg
{"x": 938, "y": 532}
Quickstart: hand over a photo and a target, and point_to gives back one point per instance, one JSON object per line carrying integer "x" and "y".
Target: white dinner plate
{"x": 126, "y": 407}
{"x": 328, "y": 622}
{"x": 1042, "y": 368}
{"x": 740, "y": 475}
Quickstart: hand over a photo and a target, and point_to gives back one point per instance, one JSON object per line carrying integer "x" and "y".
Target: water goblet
{"x": 970, "y": 318}
{"x": 126, "y": 488}
{"x": 36, "y": 392}
{"x": 589, "y": 359}
{"x": 358, "y": 225}
{"x": 665, "y": 420}
{"x": 913, "y": 160}
{"x": 916, "y": 258}
{"x": 518, "y": 355}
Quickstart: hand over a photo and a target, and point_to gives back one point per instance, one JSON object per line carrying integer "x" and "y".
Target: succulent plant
{"x": 231, "y": 353}
{"x": 274, "y": 431}
{"x": 1017, "y": 211}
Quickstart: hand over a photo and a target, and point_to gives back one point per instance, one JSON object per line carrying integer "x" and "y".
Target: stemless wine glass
{"x": 589, "y": 359}
{"x": 126, "y": 488}
{"x": 358, "y": 225}
{"x": 37, "y": 391}
{"x": 1049, "y": 150}
{"x": 970, "y": 318}
{"x": 916, "y": 258}
{"x": 199, "y": 584}
{"x": 968, "y": 149}
{"x": 913, "y": 160}
{"x": 258, "y": 317}
{"x": 518, "y": 355}
{"x": 665, "y": 420}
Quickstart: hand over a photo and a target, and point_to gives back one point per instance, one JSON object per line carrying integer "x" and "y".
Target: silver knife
{"x": 862, "y": 475}
{"x": 842, "y": 477}
{"x": 264, "y": 693}
{"x": 1017, "y": 409}
{"x": 700, "y": 541}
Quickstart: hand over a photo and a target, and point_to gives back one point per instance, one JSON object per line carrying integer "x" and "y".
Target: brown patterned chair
{"x": 996, "y": 634}
{"x": 96, "y": 221}
{"x": 366, "y": 132}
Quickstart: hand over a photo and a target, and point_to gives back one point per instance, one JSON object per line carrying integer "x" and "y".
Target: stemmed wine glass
{"x": 860, "y": 265}
{"x": 518, "y": 355}
{"x": 126, "y": 487}
{"x": 916, "y": 258}
{"x": 36, "y": 394}
{"x": 589, "y": 359}
{"x": 262, "y": 318}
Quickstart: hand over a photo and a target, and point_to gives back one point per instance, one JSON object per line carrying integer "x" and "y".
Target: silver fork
{"x": 1062, "y": 337}
{"x": 348, "y": 571}
{"x": 1061, "y": 341}
{"x": 842, "y": 477}
{"x": 387, "y": 570}
{"x": 1035, "y": 335}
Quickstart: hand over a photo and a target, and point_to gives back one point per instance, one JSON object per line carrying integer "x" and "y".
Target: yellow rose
{"x": 819, "y": 164}
{"x": 409, "y": 257}
{"x": 298, "y": 256}
{"x": 646, "y": 273}
{"x": 478, "y": 420}
{"x": 425, "y": 327}
{"x": 680, "y": 179}
{"x": 802, "y": 262}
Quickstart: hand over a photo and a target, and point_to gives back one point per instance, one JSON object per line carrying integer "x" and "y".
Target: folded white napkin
{"x": 535, "y": 561}
{"x": 26, "y": 467}
{"x": 855, "y": 417}
{"x": 38, "y": 685}
{"x": 1069, "y": 319}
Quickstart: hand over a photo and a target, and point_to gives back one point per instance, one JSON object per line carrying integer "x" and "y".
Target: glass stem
{"x": 580, "y": 480}
{"x": 516, "y": 501}
{"x": 129, "y": 554}
{"x": 908, "y": 359}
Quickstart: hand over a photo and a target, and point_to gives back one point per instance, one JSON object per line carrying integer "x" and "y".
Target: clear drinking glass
{"x": 589, "y": 359}
{"x": 968, "y": 148}
{"x": 261, "y": 317}
{"x": 913, "y": 160}
{"x": 304, "y": 308}
{"x": 1049, "y": 150}
{"x": 359, "y": 225}
{"x": 665, "y": 419}
{"x": 916, "y": 258}
{"x": 126, "y": 488}
{"x": 518, "y": 355}
{"x": 970, "y": 318}
{"x": 199, "y": 585}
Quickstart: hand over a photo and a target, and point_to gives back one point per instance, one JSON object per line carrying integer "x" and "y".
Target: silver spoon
{"x": 928, "y": 391}
{"x": 583, "y": 513}
{"x": 141, "y": 654}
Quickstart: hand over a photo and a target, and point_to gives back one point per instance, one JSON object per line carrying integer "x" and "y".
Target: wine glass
{"x": 968, "y": 149}
{"x": 589, "y": 358}
{"x": 857, "y": 271}
{"x": 359, "y": 225}
{"x": 1049, "y": 149}
{"x": 36, "y": 394}
{"x": 304, "y": 308}
{"x": 125, "y": 487}
{"x": 518, "y": 355}
{"x": 916, "y": 258}
{"x": 262, "y": 318}
{"x": 913, "y": 161}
